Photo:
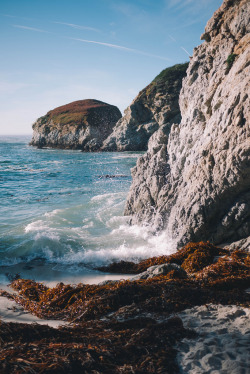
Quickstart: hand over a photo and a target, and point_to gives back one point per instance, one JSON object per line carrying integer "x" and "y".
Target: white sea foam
{"x": 113, "y": 239}
{"x": 129, "y": 249}
{"x": 35, "y": 226}
{"x": 42, "y": 230}
{"x": 110, "y": 196}
{"x": 142, "y": 232}
{"x": 127, "y": 253}
{"x": 53, "y": 213}
{"x": 115, "y": 221}
{"x": 88, "y": 225}
{"x": 69, "y": 190}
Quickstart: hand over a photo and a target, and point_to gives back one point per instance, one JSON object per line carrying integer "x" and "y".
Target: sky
{"x": 54, "y": 52}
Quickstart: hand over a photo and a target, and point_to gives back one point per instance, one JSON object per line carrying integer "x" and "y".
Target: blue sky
{"x": 57, "y": 51}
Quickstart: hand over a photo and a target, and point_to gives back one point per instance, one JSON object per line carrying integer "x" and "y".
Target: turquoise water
{"x": 62, "y": 210}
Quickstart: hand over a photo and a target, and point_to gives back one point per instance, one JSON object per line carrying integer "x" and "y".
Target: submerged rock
{"x": 155, "y": 105}
{"x": 194, "y": 180}
{"x": 81, "y": 125}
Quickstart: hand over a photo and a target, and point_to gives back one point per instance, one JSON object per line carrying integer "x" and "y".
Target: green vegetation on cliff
{"x": 172, "y": 73}
{"x": 167, "y": 77}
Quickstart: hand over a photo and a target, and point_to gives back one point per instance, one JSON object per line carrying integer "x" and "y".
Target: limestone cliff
{"x": 194, "y": 181}
{"x": 81, "y": 125}
{"x": 155, "y": 105}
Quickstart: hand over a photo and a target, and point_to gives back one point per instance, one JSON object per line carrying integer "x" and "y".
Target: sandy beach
{"x": 223, "y": 342}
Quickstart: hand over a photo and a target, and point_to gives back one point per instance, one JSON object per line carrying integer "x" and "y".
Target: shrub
{"x": 230, "y": 60}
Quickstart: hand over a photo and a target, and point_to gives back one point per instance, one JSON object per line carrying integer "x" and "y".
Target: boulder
{"x": 156, "y": 270}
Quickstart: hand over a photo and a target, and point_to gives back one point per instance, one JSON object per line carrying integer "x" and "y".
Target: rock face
{"x": 81, "y": 125}
{"x": 194, "y": 181}
{"x": 155, "y": 105}
{"x": 156, "y": 270}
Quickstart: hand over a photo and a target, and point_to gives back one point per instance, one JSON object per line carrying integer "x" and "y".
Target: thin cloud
{"x": 78, "y": 27}
{"x": 186, "y": 51}
{"x": 121, "y": 48}
{"x": 12, "y": 16}
{"x": 179, "y": 4}
{"x": 191, "y": 7}
{"x": 171, "y": 37}
{"x": 109, "y": 45}
{"x": 105, "y": 44}
{"x": 8, "y": 15}
{"x": 30, "y": 28}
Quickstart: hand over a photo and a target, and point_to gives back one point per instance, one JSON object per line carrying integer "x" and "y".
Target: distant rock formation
{"x": 155, "y": 105}
{"x": 194, "y": 181}
{"x": 81, "y": 125}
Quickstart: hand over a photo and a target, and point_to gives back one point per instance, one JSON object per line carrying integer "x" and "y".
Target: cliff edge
{"x": 156, "y": 104}
{"x": 194, "y": 180}
{"x": 81, "y": 125}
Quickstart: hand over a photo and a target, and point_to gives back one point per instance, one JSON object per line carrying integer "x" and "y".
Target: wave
{"x": 78, "y": 245}
{"x": 53, "y": 213}
{"x": 75, "y": 218}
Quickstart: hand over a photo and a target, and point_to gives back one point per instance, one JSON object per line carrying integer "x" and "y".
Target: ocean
{"x": 61, "y": 213}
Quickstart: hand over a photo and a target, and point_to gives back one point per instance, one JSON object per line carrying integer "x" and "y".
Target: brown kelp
{"x": 139, "y": 345}
{"x": 125, "y": 326}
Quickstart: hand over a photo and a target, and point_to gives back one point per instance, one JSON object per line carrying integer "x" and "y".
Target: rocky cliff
{"x": 194, "y": 181}
{"x": 81, "y": 125}
{"x": 155, "y": 105}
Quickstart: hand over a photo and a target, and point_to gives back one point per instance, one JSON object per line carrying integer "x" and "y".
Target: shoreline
{"x": 11, "y": 311}
{"x": 52, "y": 274}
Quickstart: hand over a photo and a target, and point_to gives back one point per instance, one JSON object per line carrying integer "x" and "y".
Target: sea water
{"x": 61, "y": 212}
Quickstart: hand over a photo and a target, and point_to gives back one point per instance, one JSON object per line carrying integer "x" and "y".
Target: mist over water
{"x": 64, "y": 209}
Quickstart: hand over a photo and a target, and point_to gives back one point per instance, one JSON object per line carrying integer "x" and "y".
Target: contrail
{"x": 121, "y": 48}
{"x": 116, "y": 46}
{"x": 78, "y": 27}
{"x": 186, "y": 51}
{"x": 30, "y": 28}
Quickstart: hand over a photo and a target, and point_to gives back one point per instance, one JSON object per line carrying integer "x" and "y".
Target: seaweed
{"x": 140, "y": 345}
{"x": 193, "y": 257}
{"x": 122, "y": 327}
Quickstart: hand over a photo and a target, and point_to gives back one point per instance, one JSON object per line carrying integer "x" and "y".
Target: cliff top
{"x": 75, "y": 112}
{"x": 166, "y": 78}
{"x": 172, "y": 72}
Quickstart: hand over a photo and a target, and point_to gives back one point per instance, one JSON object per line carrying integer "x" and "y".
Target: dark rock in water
{"x": 108, "y": 282}
{"x": 155, "y": 105}
{"x": 121, "y": 267}
{"x": 109, "y": 176}
{"x": 12, "y": 277}
{"x": 81, "y": 125}
{"x": 194, "y": 181}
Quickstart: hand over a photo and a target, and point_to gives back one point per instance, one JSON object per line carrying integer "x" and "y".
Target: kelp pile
{"x": 203, "y": 262}
{"x": 125, "y": 326}
{"x": 194, "y": 256}
{"x": 136, "y": 346}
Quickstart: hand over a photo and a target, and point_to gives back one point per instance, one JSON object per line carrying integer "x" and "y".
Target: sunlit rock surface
{"x": 194, "y": 179}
